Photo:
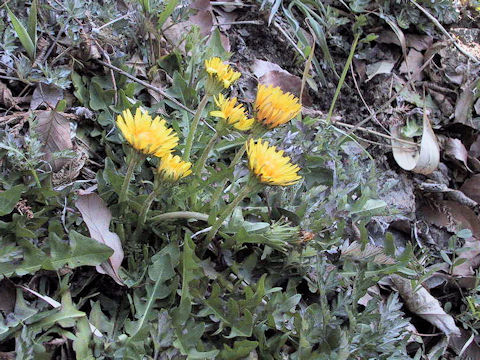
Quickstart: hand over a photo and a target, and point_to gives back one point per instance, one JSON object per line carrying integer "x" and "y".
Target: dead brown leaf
{"x": 11, "y": 355}
{"x": 204, "y": 20}
{"x": 451, "y": 216}
{"x": 472, "y": 350}
{"x": 270, "y": 73}
{"x": 421, "y": 303}
{"x": 471, "y": 188}
{"x": 471, "y": 253}
{"x": 416, "y": 41}
{"x": 412, "y": 64}
{"x": 54, "y": 131}
{"x": 455, "y": 149}
{"x": 97, "y": 217}
{"x": 47, "y": 95}
{"x": 6, "y": 97}
{"x": 463, "y": 108}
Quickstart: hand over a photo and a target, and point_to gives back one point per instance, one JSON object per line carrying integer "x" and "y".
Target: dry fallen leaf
{"x": 471, "y": 188}
{"x": 451, "y": 216}
{"x": 54, "y": 131}
{"x": 471, "y": 253}
{"x": 425, "y": 305}
{"x": 6, "y": 97}
{"x": 408, "y": 156}
{"x": 456, "y": 150}
{"x": 272, "y": 74}
{"x": 412, "y": 64}
{"x": 466, "y": 345}
{"x": 463, "y": 108}
{"x": 97, "y": 217}
{"x": 47, "y": 95}
{"x": 204, "y": 20}
{"x": 379, "y": 67}
{"x": 418, "y": 42}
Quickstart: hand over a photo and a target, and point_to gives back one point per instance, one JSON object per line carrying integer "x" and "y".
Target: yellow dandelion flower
{"x": 274, "y": 107}
{"x": 232, "y": 113}
{"x": 173, "y": 168}
{"x": 221, "y": 72}
{"x": 270, "y": 166}
{"x": 150, "y": 137}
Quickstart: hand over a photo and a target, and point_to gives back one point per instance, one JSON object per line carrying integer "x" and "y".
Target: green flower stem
{"x": 132, "y": 163}
{"x": 146, "y": 206}
{"x": 180, "y": 215}
{"x": 229, "y": 209}
{"x": 35, "y": 176}
{"x": 203, "y": 158}
{"x": 218, "y": 192}
{"x": 193, "y": 128}
{"x": 257, "y": 132}
{"x": 342, "y": 77}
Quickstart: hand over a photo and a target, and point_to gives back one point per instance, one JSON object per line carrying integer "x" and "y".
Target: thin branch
{"x": 445, "y": 32}
{"x": 146, "y": 84}
{"x": 394, "y": 96}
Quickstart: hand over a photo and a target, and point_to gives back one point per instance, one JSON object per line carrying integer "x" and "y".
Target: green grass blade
{"x": 22, "y": 34}
{"x": 32, "y": 23}
{"x": 169, "y": 7}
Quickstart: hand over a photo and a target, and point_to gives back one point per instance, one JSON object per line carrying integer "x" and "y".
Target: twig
{"x": 289, "y": 39}
{"x": 394, "y": 96}
{"x": 111, "y": 22}
{"x": 373, "y": 132}
{"x": 246, "y": 22}
{"x": 146, "y": 84}
{"x": 363, "y": 100}
{"x": 226, "y": 3}
{"x": 445, "y": 32}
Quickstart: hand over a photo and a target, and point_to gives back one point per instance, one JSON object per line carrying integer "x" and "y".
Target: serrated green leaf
{"x": 160, "y": 272}
{"x": 9, "y": 198}
{"x": 190, "y": 271}
{"x": 22, "y": 34}
{"x": 240, "y": 350}
{"x": 228, "y": 314}
{"x": 82, "y": 340}
{"x": 33, "y": 259}
{"x": 81, "y": 251}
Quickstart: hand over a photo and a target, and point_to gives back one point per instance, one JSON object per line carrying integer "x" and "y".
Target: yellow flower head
{"x": 173, "y": 168}
{"x": 222, "y": 72}
{"x": 232, "y": 113}
{"x": 274, "y": 107}
{"x": 270, "y": 166}
{"x": 150, "y": 137}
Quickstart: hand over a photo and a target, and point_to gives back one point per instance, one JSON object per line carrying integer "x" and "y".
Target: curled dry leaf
{"x": 97, "y": 218}
{"x": 54, "y": 131}
{"x": 423, "y": 304}
{"x": 408, "y": 156}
